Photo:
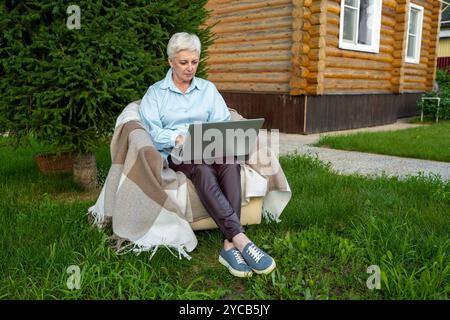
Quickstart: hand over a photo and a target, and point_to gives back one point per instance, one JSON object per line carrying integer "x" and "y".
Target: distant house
{"x": 444, "y": 39}
{"x": 319, "y": 65}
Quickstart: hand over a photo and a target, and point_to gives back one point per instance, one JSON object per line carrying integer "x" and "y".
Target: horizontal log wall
{"x": 354, "y": 71}
{"x": 281, "y": 60}
{"x": 293, "y": 46}
{"x": 309, "y": 47}
{"x": 348, "y": 71}
{"x": 399, "y": 36}
{"x": 414, "y": 81}
{"x": 252, "y": 50}
{"x": 299, "y": 57}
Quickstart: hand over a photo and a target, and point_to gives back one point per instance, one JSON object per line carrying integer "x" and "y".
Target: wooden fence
{"x": 443, "y": 62}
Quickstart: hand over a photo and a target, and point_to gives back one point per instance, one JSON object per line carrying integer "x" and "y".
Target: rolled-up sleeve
{"x": 162, "y": 137}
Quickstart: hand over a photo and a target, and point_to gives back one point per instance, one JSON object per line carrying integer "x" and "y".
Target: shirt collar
{"x": 169, "y": 84}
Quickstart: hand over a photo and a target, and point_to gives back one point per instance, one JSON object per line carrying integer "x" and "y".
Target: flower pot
{"x": 50, "y": 163}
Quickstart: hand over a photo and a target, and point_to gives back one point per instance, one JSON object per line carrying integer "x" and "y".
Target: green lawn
{"x": 332, "y": 230}
{"x": 428, "y": 142}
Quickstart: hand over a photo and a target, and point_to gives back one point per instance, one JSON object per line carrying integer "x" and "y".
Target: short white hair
{"x": 183, "y": 41}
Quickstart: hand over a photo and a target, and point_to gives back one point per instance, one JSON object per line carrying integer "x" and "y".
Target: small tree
{"x": 66, "y": 87}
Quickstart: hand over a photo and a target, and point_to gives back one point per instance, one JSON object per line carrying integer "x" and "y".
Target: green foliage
{"x": 67, "y": 87}
{"x": 430, "y": 107}
{"x": 333, "y": 228}
{"x": 424, "y": 142}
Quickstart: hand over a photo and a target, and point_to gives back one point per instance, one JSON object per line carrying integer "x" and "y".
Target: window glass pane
{"x": 411, "y": 51}
{"x": 352, "y": 3}
{"x": 413, "y": 19}
{"x": 350, "y": 24}
{"x": 366, "y": 21}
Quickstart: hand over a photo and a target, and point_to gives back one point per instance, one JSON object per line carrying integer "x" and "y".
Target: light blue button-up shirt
{"x": 167, "y": 112}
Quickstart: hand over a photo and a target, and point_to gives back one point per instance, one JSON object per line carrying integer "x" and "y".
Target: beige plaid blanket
{"x": 151, "y": 205}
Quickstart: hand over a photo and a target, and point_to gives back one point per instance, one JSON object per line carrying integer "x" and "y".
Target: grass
{"x": 333, "y": 229}
{"x": 430, "y": 142}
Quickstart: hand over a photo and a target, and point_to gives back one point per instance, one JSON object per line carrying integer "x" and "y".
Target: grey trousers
{"x": 219, "y": 189}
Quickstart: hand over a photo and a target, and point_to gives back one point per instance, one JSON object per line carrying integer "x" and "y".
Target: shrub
{"x": 67, "y": 87}
{"x": 430, "y": 107}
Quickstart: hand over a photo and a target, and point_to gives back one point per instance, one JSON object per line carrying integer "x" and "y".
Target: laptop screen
{"x": 212, "y": 140}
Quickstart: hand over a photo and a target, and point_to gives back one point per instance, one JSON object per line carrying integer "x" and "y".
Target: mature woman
{"x": 168, "y": 107}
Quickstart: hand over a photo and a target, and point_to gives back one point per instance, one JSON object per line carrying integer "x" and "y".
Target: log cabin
{"x": 311, "y": 66}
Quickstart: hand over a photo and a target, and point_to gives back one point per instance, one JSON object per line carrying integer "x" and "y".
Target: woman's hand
{"x": 179, "y": 140}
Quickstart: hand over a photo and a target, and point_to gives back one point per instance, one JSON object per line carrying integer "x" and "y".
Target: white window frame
{"x": 416, "y": 58}
{"x": 353, "y": 45}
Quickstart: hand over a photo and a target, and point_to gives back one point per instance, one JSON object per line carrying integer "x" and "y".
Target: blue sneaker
{"x": 257, "y": 259}
{"x": 232, "y": 259}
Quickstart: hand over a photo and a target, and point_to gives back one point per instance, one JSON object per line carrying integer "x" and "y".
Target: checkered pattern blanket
{"x": 151, "y": 205}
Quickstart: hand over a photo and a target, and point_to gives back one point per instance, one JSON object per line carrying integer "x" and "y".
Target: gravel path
{"x": 349, "y": 162}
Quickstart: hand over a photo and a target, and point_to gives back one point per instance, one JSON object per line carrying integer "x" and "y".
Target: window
{"x": 360, "y": 25}
{"x": 414, "y": 36}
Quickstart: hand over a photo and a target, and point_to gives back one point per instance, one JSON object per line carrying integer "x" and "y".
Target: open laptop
{"x": 211, "y": 141}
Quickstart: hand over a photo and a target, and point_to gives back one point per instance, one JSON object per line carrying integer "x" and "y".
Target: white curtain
{"x": 366, "y": 16}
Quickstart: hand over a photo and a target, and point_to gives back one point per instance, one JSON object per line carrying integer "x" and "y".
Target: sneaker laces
{"x": 255, "y": 252}
{"x": 238, "y": 257}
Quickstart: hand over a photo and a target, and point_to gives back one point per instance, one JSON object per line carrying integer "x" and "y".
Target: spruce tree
{"x": 66, "y": 87}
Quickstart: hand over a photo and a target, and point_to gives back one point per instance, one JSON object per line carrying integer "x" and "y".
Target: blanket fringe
{"x": 181, "y": 251}
{"x": 270, "y": 216}
{"x": 138, "y": 249}
{"x": 97, "y": 219}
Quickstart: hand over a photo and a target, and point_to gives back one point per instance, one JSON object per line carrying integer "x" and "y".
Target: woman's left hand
{"x": 179, "y": 140}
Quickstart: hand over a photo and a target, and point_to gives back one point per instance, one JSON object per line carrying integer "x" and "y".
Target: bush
{"x": 67, "y": 87}
{"x": 430, "y": 106}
